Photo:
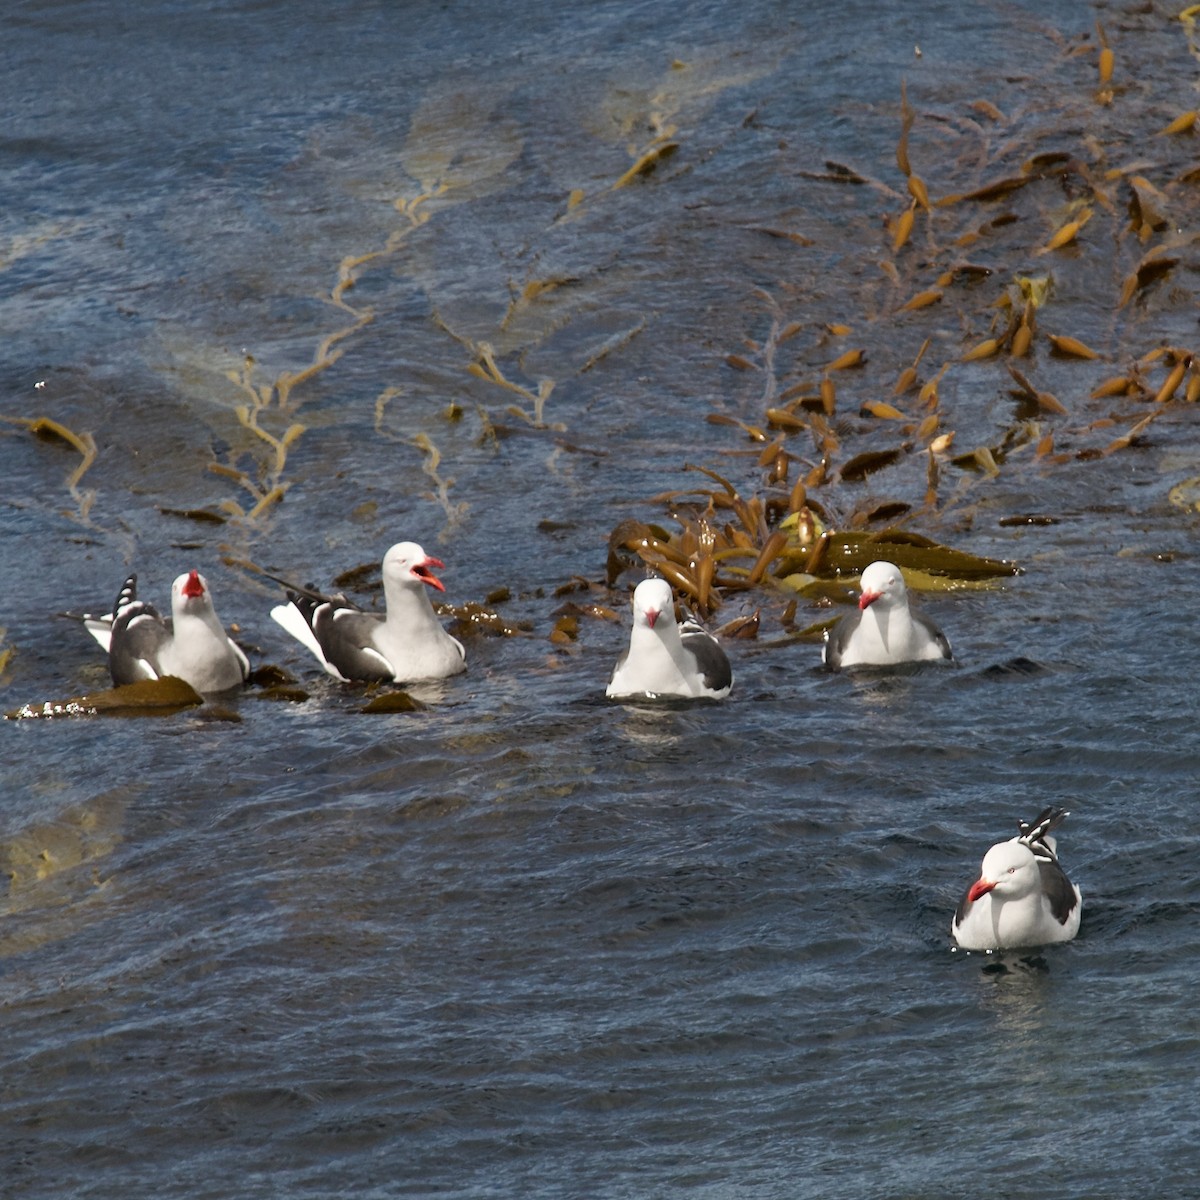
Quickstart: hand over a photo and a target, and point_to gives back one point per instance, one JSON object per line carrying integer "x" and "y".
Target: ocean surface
{"x": 303, "y": 280}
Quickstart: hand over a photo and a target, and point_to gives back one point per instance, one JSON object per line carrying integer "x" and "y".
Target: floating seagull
{"x": 191, "y": 644}
{"x": 405, "y": 645}
{"x": 1022, "y": 896}
{"x": 884, "y": 632}
{"x": 666, "y": 659}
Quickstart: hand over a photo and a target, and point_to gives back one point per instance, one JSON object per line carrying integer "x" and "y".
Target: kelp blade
{"x": 148, "y": 697}
{"x": 850, "y": 553}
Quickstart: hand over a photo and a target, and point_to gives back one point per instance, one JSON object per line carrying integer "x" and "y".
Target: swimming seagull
{"x": 405, "y": 645}
{"x": 191, "y": 644}
{"x": 1022, "y": 896}
{"x": 884, "y": 632}
{"x": 666, "y": 659}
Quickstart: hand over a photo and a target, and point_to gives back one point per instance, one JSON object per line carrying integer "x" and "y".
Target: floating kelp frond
{"x": 988, "y": 348}
{"x": 48, "y": 430}
{"x": 249, "y": 419}
{"x": 600, "y": 612}
{"x": 907, "y": 117}
{"x": 455, "y": 513}
{"x": 1067, "y": 232}
{"x": 1147, "y": 215}
{"x": 1154, "y": 265}
{"x": 706, "y": 557}
{"x": 981, "y": 459}
{"x": 688, "y": 560}
{"x": 485, "y": 368}
{"x": 848, "y": 360}
{"x": 743, "y": 628}
{"x": 989, "y": 191}
{"x": 149, "y": 697}
{"x": 263, "y": 499}
{"x": 870, "y": 461}
{"x": 566, "y": 630}
{"x": 203, "y": 516}
{"x": 902, "y": 227}
{"x": 1044, "y": 400}
{"x": 647, "y": 160}
{"x": 850, "y": 553}
{"x": 610, "y": 345}
{"x": 922, "y": 300}
{"x": 473, "y": 619}
{"x": 394, "y": 702}
{"x": 1182, "y": 361}
{"x": 364, "y": 578}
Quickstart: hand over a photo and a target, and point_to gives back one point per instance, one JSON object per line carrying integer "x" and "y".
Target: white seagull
{"x": 191, "y": 644}
{"x": 884, "y": 632}
{"x": 666, "y": 659}
{"x": 1022, "y": 896}
{"x": 405, "y": 645}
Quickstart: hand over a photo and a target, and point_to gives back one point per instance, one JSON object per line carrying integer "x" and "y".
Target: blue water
{"x": 527, "y": 942}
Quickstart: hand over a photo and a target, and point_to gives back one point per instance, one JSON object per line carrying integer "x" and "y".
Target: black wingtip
{"x": 1033, "y": 833}
{"x": 126, "y": 596}
{"x": 306, "y": 602}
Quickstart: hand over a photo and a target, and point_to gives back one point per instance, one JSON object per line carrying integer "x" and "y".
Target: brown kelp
{"x": 84, "y": 444}
{"x": 1087, "y": 215}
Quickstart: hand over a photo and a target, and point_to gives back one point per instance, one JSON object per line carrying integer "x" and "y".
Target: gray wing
{"x": 343, "y": 632}
{"x": 138, "y": 634}
{"x": 710, "y": 658}
{"x": 934, "y": 632}
{"x": 1058, "y": 889}
{"x": 838, "y": 638}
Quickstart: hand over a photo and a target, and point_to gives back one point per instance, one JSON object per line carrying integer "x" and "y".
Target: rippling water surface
{"x": 526, "y": 942}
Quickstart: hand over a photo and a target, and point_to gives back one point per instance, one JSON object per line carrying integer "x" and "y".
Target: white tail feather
{"x": 101, "y": 629}
{"x": 292, "y": 619}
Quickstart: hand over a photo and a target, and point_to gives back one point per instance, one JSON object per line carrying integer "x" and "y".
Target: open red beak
{"x": 425, "y": 575}
{"x": 867, "y": 599}
{"x": 980, "y": 887}
{"x": 194, "y": 587}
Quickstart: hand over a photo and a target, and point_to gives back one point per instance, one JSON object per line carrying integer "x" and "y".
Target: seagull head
{"x": 883, "y": 584}
{"x": 189, "y": 591}
{"x": 406, "y": 562}
{"x": 1009, "y": 870}
{"x": 651, "y": 599}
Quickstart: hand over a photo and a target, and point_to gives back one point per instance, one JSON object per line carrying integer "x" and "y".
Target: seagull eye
{"x": 1012, "y": 870}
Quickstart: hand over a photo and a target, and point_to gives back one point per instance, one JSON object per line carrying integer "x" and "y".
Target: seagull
{"x": 1022, "y": 896}
{"x": 665, "y": 659}
{"x": 403, "y": 646}
{"x": 884, "y": 632}
{"x": 191, "y": 644}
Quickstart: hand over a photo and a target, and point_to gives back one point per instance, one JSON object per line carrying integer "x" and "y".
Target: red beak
{"x": 651, "y": 616}
{"x": 867, "y": 599}
{"x": 193, "y": 588}
{"x": 425, "y": 575}
{"x": 980, "y": 887}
